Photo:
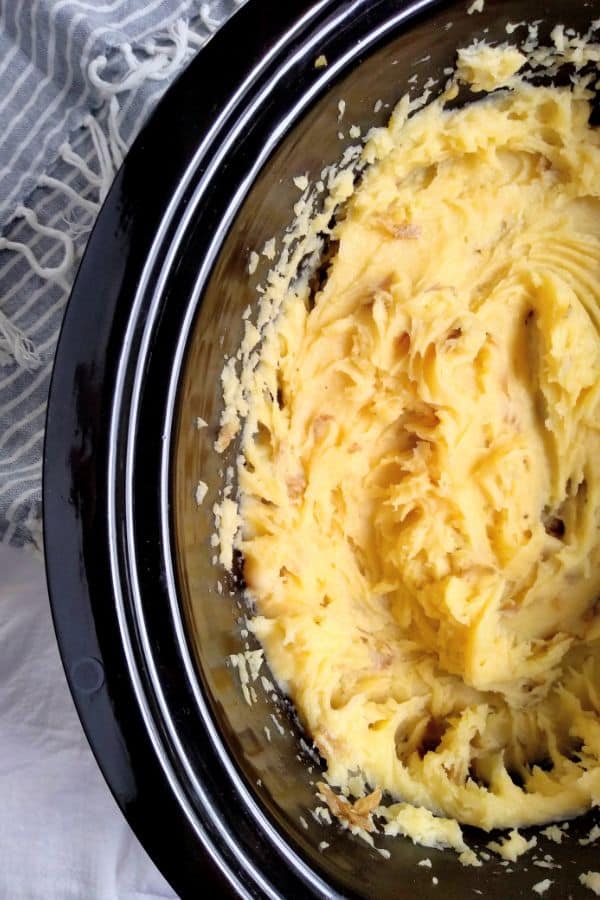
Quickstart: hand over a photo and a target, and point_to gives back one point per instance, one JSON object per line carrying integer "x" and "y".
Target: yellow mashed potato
{"x": 420, "y": 503}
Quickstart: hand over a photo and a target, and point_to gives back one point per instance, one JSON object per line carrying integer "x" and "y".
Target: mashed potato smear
{"x": 420, "y": 498}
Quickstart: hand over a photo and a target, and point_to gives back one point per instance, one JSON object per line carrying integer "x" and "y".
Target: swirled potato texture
{"x": 421, "y": 501}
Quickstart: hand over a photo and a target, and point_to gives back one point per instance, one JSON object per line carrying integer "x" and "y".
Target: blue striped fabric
{"x": 79, "y": 77}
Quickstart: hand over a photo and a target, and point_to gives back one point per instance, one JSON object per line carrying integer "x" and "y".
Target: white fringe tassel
{"x": 159, "y": 58}
{"x": 17, "y": 345}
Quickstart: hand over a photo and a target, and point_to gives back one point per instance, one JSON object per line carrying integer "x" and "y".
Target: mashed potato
{"x": 420, "y": 503}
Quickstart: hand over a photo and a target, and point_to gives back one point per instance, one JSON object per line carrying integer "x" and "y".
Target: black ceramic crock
{"x": 143, "y": 626}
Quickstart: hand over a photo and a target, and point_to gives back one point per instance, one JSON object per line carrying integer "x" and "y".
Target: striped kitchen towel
{"x": 79, "y": 78}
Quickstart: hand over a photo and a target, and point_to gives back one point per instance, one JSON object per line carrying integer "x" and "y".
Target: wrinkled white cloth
{"x": 62, "y": 836}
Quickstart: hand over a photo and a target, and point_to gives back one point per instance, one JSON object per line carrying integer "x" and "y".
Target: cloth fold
{"x": 62, "y": 836}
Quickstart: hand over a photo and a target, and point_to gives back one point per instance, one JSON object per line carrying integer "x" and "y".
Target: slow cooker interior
{"x": 264, "y": 739}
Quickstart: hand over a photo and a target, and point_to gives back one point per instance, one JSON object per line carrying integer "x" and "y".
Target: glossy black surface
{"x": 142, "y": 627}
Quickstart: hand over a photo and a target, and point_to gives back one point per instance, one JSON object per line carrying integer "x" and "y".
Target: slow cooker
{"x": 145, "y": 619}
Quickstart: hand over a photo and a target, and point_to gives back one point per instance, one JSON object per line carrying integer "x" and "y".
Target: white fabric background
{"x": 62, "y": 836}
